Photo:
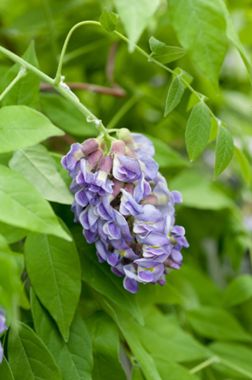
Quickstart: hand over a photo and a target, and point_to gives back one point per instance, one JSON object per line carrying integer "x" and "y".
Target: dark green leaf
{"x": 215, "y": 323}
{"x": 224, "y": 150}
{"x": 29, "y": 357}
{"x": 165, "y": 53}
{"x": 56, "y": 261}
{"x": 74, "y": 358}
{"x": 22, "y": 206}
{"x": 125, "y": 324}
{"x": 106, "y": 347}
{"x": 38, "y": 167}
{"x": 5, "y": 371}
{"x": 135, "y": 16}
{"x": 197, "y": 130}
{"x": 21, "y": 126}
{"x": 174, "y": 95}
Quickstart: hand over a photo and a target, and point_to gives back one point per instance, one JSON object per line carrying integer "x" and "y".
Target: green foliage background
{"x": 69, "y": 317}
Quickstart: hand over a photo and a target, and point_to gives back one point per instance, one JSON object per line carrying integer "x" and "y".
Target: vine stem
{"x": 62, "y": 88}
{"x": 20, "y": 74}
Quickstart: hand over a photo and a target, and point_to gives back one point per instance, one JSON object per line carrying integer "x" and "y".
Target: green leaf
{"x": 99, "y": 277}
{"x": 201, "y": 29}
{"x": 165, "y": 53}
{"x": 10, "y": 285}
{"x": 244, "y": 164}
{"x": 137, "y": 374}
{"x": 11, "y": 234}
{"x": 5, "y": 371}
{"x": 199, "y": 192}
{"x": 66, "y": 116}
{"x": 28, "y": 356}
{"x": 215, "y": 323}
{"x": 21, "y": 126}
{"x": 174, "y": 370}
{"x": 109, "y": 20}
{"x": 174, "y": 95}
{"x": 135, "y": 16}
{"x": 171, "y": 342}
{"x": 165, "y": 155}
{"x": 238, "y": 291}
{"x": 57, "y": 261}
{"x": 26, "y": 91}
{"x": 234, "y": 38}
{"x": 74, "y": 358}
{"x": 197, "y": 130}
{"x": 125, "y": 324}
{"x": 234, "y": 357}
{"x": 22, "y": 206}
{"x": 224, "y": 150}
{"x": 38, "y": 167}
{"x": 106, "y": 347}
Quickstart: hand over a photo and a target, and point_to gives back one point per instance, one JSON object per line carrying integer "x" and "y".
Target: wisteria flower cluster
{"x": 125, "y": 207}
{"x": 3, "y": 328}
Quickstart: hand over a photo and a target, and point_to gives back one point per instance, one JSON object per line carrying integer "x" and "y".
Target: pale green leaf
{"x": 135, "y": 16}
{"x": 74, "y": 358}
{"x": 22, "y": 206}
{"x": 174, "y": 95}
{"x": 28, "y": 356}
{"x": 244, "y": 164}
{"x": 224, "y": 150}
{"x": 165, "y": 53}
{"x": 21, "y": 126}
{"x": 197, "y": 130}
{"x": 109, "y": 20}
{"x": 38, "y": 167}
{"x": 57, "y": 261}
{"x": 201, "y": 30}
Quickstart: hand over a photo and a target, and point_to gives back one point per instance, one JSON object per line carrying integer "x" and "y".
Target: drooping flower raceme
{"x": 125, "y": 207}
{"x": 3, "y": 328}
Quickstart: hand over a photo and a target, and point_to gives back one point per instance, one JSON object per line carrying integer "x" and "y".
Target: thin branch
{"x": 110, "y": 67}
{"x": 112, "y": 91}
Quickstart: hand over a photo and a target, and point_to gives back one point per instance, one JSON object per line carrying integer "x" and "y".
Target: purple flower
{"x": 125, "y": 208}
{"x": 3, "y": 328}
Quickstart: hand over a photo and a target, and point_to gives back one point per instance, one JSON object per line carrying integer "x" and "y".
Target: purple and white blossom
{"x": 125, "y": 208}
{"x": 3, "y": 328}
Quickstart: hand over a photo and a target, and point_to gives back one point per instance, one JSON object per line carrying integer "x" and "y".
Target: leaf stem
{"x": 20, "y": 74}
{"x": 206, "y": 363}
